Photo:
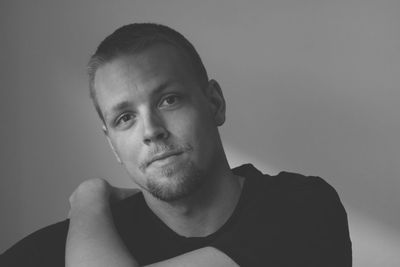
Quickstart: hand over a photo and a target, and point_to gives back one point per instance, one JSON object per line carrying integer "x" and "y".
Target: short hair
{"x": 134, "y": 38}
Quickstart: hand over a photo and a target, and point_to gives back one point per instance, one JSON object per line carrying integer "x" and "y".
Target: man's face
{"x": 160, "y": 121}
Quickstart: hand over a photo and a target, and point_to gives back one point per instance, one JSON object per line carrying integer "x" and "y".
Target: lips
{"x": 164, "y": 156}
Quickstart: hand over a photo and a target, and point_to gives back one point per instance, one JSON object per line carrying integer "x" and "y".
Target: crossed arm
{"x": 93, "y": 239}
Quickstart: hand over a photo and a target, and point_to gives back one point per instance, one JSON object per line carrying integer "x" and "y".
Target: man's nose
{"x": 154, "y": 128}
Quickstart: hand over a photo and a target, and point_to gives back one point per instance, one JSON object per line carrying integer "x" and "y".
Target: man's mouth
{"x": 164, "y": 155}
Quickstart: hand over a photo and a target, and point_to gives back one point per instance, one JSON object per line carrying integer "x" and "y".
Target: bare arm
{"x": 93, "y": 239}
{"x": 204, "y": 257}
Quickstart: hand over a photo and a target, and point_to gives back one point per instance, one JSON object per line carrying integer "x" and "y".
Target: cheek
{"x": 128, "y": 148}
{"x": 194, "y": 128}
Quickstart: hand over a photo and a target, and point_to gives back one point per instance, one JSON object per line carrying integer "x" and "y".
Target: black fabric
{"x": 282, "y": 220}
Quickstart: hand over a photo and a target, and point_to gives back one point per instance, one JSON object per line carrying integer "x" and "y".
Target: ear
{"x": 105, "y": 131}
{"x": 216, "y": 99}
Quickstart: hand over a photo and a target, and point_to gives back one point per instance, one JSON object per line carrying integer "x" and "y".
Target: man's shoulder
{"x": 51, "y": 234}
{"x": 286, "y": 188}
{"x": 46, "y": 245}
{"x": 284, "y": 180}
{"x": 296, "y": 181}
{"x": 296, "y": 187}
{"x": 287, "y": 214}
{"x": 296, "y": 195}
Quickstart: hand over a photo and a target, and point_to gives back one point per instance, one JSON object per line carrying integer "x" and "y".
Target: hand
{"x": 97, "y": 194}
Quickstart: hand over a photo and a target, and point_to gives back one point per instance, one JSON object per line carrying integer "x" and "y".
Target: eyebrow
{"x": 120, "y": 106}
{"x": 125, "y": 104}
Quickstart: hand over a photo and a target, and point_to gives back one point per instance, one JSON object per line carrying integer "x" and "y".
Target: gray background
{"x": 311, "y": 87}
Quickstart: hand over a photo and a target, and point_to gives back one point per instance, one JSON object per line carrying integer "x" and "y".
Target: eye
{"x": 170, "y": 101}
{"x": 124, "y": 119}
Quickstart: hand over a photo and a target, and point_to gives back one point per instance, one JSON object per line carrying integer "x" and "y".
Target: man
{"x": 160, "y": 114}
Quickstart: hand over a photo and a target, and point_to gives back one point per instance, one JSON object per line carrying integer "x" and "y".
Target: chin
{"x": 170, "y": 184}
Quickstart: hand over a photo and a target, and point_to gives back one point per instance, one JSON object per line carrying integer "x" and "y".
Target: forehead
{"x": 157, "y": 60}
{"x": 135, "y": 75}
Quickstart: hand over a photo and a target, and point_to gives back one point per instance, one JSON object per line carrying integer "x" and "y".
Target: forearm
{"x": 94, "y": 241}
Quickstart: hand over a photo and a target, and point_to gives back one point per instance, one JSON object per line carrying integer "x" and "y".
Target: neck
{"x": 203, "y": 212}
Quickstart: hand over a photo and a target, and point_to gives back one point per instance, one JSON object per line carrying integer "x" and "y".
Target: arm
{"x": 93, "y": 239}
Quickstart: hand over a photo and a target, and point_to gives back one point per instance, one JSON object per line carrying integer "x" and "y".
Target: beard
{"x": 172, "y": 184}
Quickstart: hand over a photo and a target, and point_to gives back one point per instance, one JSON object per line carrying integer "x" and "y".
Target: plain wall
{"x": 311, "y": 87}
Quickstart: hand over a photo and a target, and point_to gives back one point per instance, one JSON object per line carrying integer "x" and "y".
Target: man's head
{"x": 134, "y": 38}
{"x": 159, "y": 110}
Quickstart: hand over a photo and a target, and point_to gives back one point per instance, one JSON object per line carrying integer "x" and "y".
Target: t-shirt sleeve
{"x": 45, "y": 247}
{"x": 301, "y": 224}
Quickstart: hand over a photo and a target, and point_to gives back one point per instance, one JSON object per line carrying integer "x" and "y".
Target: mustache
{"x": 160, "y": 149}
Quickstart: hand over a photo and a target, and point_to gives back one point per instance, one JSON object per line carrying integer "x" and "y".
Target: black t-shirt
{"x": 283, "y": 220}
